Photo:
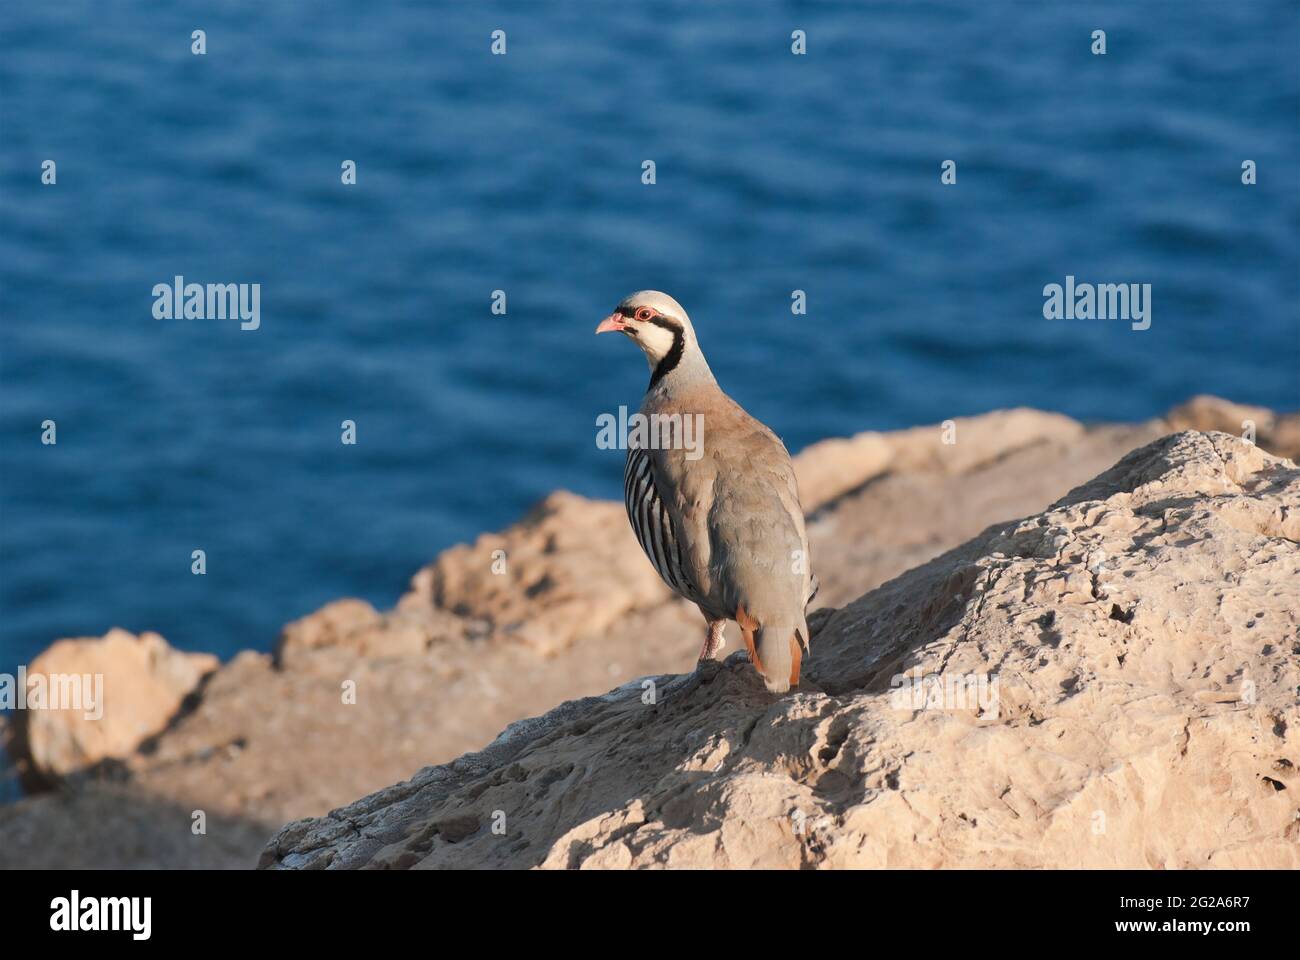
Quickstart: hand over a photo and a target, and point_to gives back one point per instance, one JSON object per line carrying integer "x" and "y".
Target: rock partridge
{"x": 720, "y": 520}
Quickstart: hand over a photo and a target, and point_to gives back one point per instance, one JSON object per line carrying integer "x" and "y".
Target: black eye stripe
{"x": 629, "y": 313}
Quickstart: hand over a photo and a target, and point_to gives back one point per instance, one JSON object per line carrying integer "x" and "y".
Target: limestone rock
{"x": 270, "y": 740}
{"x": 359, "y": 630}
{"x": 1109, "y": 682}
{"x": 831, "y": 468}
{"x": 569, "y": 569}
{"x": 1278, "y": 433}
{"x": 143, "y": 681}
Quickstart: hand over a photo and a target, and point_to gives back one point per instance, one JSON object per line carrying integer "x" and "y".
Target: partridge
{"x": 720, "y": 519}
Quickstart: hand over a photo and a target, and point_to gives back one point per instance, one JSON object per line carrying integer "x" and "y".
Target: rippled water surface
{"x": 522, "y": 173}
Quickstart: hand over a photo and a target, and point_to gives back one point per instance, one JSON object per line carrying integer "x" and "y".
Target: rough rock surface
{"x": 570, "y": 568}
{"x": 143, "y": 682}
{"x": 1139, "y": 643}
{"x": 1278, "y": 433}
{"x": 469, "y": 650}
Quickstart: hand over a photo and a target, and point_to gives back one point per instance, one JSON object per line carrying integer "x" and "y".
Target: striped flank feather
{"x": 651, "y": 523}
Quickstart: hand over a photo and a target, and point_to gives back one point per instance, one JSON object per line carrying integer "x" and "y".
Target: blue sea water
{"x": 522, "y": 173}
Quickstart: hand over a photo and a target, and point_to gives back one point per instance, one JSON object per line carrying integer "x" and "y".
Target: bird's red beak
{"x": 611, "y": 324}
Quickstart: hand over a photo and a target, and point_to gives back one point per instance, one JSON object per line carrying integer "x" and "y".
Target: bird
{"x": 722, "y": 523}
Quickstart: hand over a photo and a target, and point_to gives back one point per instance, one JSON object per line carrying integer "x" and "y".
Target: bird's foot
{"x": 713, "y": 641}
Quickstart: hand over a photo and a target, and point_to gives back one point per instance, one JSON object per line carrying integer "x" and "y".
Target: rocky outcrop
{"x": 101, "y": 697}
{"x": 1278, "y": 433}
{"x": 569, "y": 569}
{"x": 354, "y": 698}
{"x": 483, "y": 638}
{"x": 1109, "y": 682}
{"x": 355, "y": 628}
{"x": 832, "y": 468}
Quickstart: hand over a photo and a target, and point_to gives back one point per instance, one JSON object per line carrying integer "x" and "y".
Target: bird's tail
{"x": 776, "y": 649}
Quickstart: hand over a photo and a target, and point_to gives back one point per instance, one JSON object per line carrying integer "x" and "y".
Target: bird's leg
{"x": 713, "y": 642}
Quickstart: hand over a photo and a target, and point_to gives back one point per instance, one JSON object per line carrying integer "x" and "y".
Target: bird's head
{"x": 657, "y": 324}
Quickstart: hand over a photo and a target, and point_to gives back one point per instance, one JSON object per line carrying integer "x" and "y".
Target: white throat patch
{"x": 655, "y": 340}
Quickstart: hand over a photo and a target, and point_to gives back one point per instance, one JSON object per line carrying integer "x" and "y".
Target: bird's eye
{"x": 644, "y": 313}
